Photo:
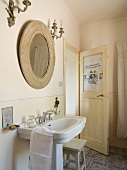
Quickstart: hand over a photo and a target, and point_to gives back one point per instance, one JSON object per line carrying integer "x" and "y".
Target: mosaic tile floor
{"x": 97, "y": 161}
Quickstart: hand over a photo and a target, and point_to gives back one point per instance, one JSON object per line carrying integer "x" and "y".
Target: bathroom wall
{"x": 108, "y": 33}
{"x": 14, "y": 90}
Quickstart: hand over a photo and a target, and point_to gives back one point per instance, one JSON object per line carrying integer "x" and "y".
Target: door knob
{"x": 101, "y": 95}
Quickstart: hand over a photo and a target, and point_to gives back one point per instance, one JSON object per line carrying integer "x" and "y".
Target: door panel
{"x": 94, "y": 99}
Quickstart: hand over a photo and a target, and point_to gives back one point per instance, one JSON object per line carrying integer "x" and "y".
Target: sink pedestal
{"x": 57, "y": 157}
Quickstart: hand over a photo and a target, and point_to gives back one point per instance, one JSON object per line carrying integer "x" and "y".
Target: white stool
{"x": 75, "y": 148}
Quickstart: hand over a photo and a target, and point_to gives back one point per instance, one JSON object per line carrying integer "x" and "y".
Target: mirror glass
{"x": 39, "y": 55}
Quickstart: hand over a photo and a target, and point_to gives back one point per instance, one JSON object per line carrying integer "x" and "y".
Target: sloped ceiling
{"x": 88, "y": 11}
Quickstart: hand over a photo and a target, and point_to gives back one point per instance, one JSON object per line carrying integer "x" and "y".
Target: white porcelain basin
{"x": 65, "y": 128}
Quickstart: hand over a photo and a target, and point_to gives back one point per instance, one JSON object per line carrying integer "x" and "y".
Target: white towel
{"x": 41, "y": 146}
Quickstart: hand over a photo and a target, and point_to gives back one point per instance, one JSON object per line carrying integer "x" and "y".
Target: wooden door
{"x": 94, "y": 98}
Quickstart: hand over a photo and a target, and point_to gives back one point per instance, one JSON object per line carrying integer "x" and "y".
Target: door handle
{"x": 101, "y": 95}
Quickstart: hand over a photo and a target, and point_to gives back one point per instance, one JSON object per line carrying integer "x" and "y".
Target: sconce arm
{"x": 21, "y": 10}
{"x": 10, "y": 13}
{"x": 26, "y": 3}
{"x": 61, "y": 33}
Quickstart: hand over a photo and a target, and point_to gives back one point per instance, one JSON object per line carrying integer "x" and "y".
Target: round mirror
{"x": 37, "y": 54}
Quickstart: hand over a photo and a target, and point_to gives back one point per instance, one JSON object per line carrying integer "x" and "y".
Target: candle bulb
{"x": 54, "y": 20}
{"x": 60, "y": 23}
{"x": 48, "y": 23}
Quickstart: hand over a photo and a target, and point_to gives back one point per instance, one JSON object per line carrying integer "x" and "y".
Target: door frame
{"x": 77, "y": 53}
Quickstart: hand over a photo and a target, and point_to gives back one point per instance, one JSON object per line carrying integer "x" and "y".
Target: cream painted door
{"x": 94, "y": 98}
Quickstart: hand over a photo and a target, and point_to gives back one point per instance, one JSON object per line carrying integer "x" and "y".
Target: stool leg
{"x": 84, "y": 159}
{"x": 77, "y": 161}
{"x": 68, "y": 163}
{"x": 64, "y": 159}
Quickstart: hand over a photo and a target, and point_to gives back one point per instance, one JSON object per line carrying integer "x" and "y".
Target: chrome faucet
{"x": 39, "y": 120}
{"x": 49, "y": 113}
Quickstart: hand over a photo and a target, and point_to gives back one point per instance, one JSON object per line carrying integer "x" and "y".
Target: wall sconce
{"x": 12, "y": 7}
{"x": 54, "y": 30}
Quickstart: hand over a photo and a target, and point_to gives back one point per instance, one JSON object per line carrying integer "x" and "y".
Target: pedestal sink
{"x": 65, "y": 128}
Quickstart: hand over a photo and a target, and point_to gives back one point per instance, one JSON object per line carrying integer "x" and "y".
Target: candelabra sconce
{"x": 12, "y": 7}
{"x": 54, "y": 30}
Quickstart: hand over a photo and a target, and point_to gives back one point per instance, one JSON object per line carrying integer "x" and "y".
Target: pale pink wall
{"x": 14, "y": 91}
{"x": 108, "y": 33}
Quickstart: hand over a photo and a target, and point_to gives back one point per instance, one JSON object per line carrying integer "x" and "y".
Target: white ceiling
{"x": 87, "y": 11}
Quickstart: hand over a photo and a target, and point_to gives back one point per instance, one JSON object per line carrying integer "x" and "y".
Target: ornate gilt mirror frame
{"x": 33, "y": 29}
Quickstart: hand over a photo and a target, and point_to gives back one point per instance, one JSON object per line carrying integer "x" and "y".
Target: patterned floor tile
{"x": 97, "y": 161}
